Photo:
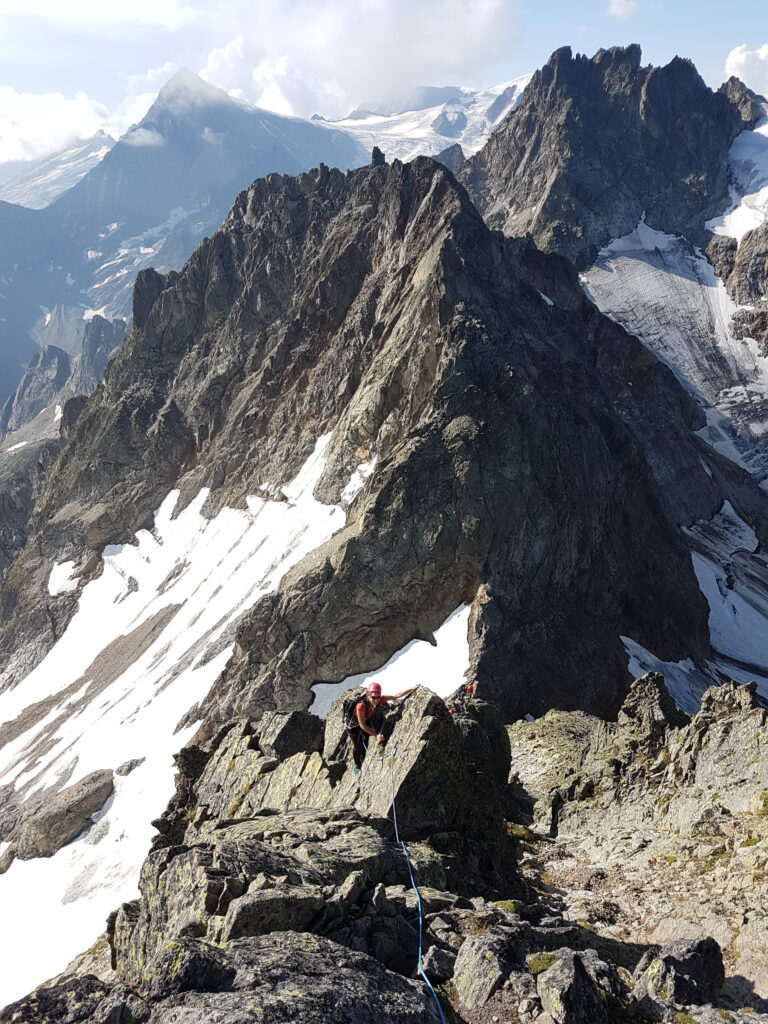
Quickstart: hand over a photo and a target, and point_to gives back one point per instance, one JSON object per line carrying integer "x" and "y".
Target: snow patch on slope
{"x": 683, "y": 679}
{"x": 62, "y": 580}
{"x": 748, "y": 166}
{"x": 733, "y": 576}
{"x": 357, "y": 481}
{"x": 150, "y": 636}
{"x": 440, "y": 668}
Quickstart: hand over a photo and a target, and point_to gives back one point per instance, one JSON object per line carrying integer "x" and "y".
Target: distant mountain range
{"x": 76, "y": 227}
{"x": 434, "y": 119}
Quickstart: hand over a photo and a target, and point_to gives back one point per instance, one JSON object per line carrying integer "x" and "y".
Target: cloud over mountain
{"x": 751, "y": 66}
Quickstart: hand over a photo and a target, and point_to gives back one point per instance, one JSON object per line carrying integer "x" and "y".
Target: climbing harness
{"x": 391, "y": 756}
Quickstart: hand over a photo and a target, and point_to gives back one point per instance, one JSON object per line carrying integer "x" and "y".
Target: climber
{"x": 363, "y": 715}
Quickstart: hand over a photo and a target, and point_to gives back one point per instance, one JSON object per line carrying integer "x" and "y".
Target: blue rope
{"x": 391, "y": 757}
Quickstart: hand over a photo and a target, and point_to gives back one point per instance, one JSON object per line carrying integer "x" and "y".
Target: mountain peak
{"x": 186, "y": 90}
{"x": 610, "y": 105}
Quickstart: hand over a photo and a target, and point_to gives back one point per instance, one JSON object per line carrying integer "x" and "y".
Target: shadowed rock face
{"x": 533, "y": 459}
{"x": 595, "y": 143}
{"x": 47, "y": 374}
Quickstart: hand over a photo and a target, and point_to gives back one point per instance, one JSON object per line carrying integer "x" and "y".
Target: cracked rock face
{"x": 659, "y": 831}
{"x": 595, "y": 143}
{"x": 513, "y": 471}
{"x": 307, "y": 914}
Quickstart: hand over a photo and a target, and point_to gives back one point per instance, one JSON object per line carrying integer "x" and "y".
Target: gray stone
{"x": 269, "y": 910}
{"x": 569, "y": 992}
{"x": 287, "y": 978}
{"x": 185, "y": 965}
{"x": 685, "y": 972}
{"x": 69, "y": 1002}
{"x": 483, "y": 964}
{"x": 43, "y": 831}
{"x": 128, "y": 766}
{"x": 439, "y": 964}
{"x": 282, "y": 735}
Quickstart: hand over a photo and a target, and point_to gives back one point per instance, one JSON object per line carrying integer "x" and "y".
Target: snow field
{"x": 61, "y": 580}
{"x": 357, "y": 480}
{"x": 412, "y": 133}
{"x": 733, "y": 577}
{"x": 440, "y": 668}
{"x": 748, "y": 161}
{"x": 149, "y": 638}
{"x": 666, "y": 293}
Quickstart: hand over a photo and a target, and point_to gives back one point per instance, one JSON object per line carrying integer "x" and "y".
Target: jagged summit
{"x": 186, "y": 90}
{"x": 596, "y": 142}
{"x": 296, "y": 320}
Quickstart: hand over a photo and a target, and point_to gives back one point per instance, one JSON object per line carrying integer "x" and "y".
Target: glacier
{"x": 440, "y": 667}
{"x": 664, "y": 290}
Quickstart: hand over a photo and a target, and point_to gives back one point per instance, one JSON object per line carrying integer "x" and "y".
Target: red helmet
{"x": 373, "y": 689}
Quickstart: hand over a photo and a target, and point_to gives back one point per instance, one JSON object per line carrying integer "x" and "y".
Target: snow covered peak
{"x": 186, "y": 91}
{"x": 458, "y": 115}
{"x": 422, "y": 98}
{"x": 36, "y": 183}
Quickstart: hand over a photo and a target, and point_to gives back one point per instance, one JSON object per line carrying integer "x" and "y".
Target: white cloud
{"x": 751, "y": 66}
{"x": 97, "y": 15}
{"x": 304, "y": 57}
{"x": 330, "y": 56}
{"x": 35, "y": 124}
{"x": 212, "y": 137}
{"x": 622, "y": 9}
{"x": 140, "y": 93}
{"x": 143, "y": 137}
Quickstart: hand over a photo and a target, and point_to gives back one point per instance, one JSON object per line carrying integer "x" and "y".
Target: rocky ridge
{"x": 275, "y": 887}
{"x": 298, "y": 318}
{"x": 658, "y": 823}
{"x": 596, "y": 143}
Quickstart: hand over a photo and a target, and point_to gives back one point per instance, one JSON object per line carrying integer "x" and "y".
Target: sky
{"x": 68, "y": 70}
